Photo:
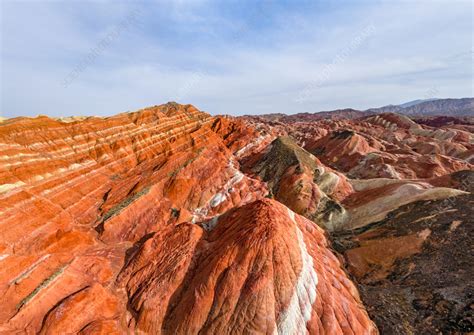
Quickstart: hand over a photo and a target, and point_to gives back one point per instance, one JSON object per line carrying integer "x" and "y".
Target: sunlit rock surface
{"x": 259, "y": 268}
{"x": 167, "y": 220}
{"x": 383, "y": 146}
{"x": 299, "y": 180}
{"x": 83, "y": 200}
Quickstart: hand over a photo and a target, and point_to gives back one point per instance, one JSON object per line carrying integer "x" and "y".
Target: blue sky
{"x": 66, "y": 58}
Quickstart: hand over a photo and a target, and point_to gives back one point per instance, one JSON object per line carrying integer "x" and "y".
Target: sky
{"x": 64, "y": 58}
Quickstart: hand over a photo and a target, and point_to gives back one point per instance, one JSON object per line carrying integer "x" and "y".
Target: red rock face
{"x": 160, "y": 221}
{"x": 408, "y": 214}
{"x": 385, "y": 146}
{"x": 300, "y": 181}
{"x": 233, "y": 275}
{"x": 111, "y": 225}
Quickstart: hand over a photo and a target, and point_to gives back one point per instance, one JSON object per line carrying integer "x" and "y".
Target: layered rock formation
{"x": 256, "y": 269}
{"x": 114, "y": 216}
{"x": 78, "y": 197}
{"x": 385, "y": 146}
{"x": 167, "y": 220}
{"x": 411, "y": 187}
{"x": 299, "y": 180}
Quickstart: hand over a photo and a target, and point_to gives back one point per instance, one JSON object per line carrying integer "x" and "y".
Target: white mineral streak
{"x": 250, "y": 145}
{"x": 223, "y": 194}
{"x": 8, "y": 187}
{"x": 84, "y": 148}
{"x": 293, "y": 320}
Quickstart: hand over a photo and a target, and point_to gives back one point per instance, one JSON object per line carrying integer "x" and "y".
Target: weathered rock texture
{"x": 143, "y": 222}
{"x": 415, "y": 267}
{"x": 299, "y": 180}
{"x": 384, "y": 146}
{"x": 406, "y": 240}
{"x": 256, "y": 269}
{"x": 160, "y": 222}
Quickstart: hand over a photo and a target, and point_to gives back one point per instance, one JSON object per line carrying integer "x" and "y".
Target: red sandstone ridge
{"x": 144, "y": 222}
{"x": 299, "y": 180}
{"x": 256, "y": 269}
{"x": 243, "y": 138}
{"x": 383, "y": 146}
{"x": 170, "y": 221}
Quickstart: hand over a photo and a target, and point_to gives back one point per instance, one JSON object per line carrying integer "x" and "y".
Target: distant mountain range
{"x": 431, "y": 107}
{"x": 416, "y": 102}
{"x": 339, "y": 114}
{"x": 417, "y": 108}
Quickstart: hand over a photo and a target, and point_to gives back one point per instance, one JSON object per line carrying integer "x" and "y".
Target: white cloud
{"x": 244, "y": 68}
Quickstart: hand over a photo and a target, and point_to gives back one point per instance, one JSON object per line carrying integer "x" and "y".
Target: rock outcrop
{"x": 384, "y": 146}
{"x": 170, "y": 221}
{"x": 77, "y": 197}
{"x": 256, "y": 269}
{"x": 375, "y": 198}
{"x": 415, "y": 267}
{"x": 144, "y": 222}
{"x": 299, "y": 180}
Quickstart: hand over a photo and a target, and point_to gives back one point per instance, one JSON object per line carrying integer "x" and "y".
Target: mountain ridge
{"x": 171, "y": 221}
{"x": 462, "y": 107}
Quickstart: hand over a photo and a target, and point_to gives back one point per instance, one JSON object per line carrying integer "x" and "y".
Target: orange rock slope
{"x": 384, "y": 146}
{"x": 259, "y": 268}
{"x": 143, "y": 222}
{"x": 406, "y": 193}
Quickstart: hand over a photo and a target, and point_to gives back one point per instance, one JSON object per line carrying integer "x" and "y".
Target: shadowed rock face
{"x": 415, "y": 268}
{"x": 300, "y": 181}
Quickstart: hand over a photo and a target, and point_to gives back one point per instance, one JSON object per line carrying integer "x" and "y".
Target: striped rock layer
{"x": 143, "y": 222}
{"x": 382, "y": 146}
